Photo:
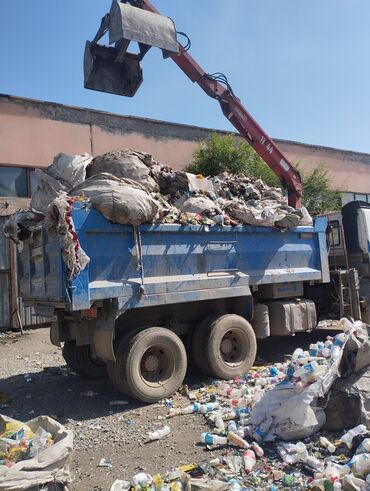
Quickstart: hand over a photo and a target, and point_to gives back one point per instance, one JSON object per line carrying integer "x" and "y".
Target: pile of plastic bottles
{"x": 18, "y": 442}
{"x": 247, "y": 462}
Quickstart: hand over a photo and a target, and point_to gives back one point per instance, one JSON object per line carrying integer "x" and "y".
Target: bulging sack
{"x": 119, "y": 200}
{"x": 125, "y": 163}
{"x": 64, "y": 173}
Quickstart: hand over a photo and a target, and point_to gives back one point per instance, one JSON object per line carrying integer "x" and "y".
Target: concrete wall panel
{"x": 29, "y": 140}
{"x": 174, "y": 152}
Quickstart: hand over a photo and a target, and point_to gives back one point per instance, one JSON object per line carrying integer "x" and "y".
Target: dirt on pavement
{"x": 35, "y": 377}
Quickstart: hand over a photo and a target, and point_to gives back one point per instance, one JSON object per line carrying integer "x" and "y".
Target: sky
{"x": 300, "y": 67}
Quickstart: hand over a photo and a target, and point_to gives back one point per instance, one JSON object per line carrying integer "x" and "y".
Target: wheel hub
{"x": 226, "y": 346}
{"x": 151, "y": 363}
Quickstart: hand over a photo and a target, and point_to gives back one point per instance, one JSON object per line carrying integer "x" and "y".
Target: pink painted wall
{"x": 32, "y": 132}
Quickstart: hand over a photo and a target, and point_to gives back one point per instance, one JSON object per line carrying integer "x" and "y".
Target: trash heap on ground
{"x": 129, "y": 187}
{"x": 33, "y": 454}
{"x": 271, "y": 425}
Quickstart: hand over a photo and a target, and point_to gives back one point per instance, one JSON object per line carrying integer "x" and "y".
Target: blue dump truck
{"x": 200, "y": 293}
{"x": 154, "y": 298}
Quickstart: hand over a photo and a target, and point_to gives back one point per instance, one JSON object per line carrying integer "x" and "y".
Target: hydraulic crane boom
{"x": 231, "y": 106}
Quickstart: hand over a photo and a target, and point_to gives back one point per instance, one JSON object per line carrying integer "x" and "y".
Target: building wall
{"x": 32, "y": 132}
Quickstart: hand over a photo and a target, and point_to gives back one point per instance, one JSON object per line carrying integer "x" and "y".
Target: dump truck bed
{"x": 180, "y": 263}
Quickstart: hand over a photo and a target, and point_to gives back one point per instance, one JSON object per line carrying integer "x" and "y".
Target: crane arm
{"x": 238, "y": 116}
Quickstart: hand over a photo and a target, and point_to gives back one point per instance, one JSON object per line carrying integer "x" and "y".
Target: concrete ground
{"x": 36, "y": 381}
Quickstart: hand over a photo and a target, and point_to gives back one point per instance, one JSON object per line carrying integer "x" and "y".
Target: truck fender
{"x": 104, "y": 331}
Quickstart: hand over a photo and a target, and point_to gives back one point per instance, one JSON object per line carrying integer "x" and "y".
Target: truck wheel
{"x": 115, "y": 374}
{"x": 154, "y": 364}
{"x": 69, "y": 355}
{"x": 231, "y": 346}
{"x": 198, "y": 346}
{"x": 88, "y": 364}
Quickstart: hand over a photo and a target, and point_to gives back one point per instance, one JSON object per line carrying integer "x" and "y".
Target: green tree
{"x": 231, "y": 154}
{"x": 318, "y": 195}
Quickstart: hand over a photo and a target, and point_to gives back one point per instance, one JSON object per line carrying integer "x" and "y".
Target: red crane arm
{"x": 240, "y": 118}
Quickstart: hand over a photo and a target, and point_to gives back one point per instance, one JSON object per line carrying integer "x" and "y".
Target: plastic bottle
{"x": 235, "y": 393}
{"x": 337, "y": 345}
{"x": 218, "y": 461}
{"x": 237, "y": 440}
{"x": 40, "y": 441}
{"x": 326, "y": 352}
{"x": 224, "y": 389}
{"x": 334, "y": 471}
{"x": 210, "y": 439}
{"x": 210, "y": 406}
{"x": 244, "y": 419}
{"x": 257, "y": 449}
{"x": 158, "y": 434}
{"x": 313, "y": 350}
{"x": 360, "y": 464}
{"x": 249, "y": 458}
{"x": 190, "y": 409}
{"x": 364, "y": 447}
{"x": 307, "y": 369}
{"x": 261, "y": 431}
{"x": 232, "y": 426}
{"x": 229, "y": 415}
{"x": 324, "y": 442}
{"x": 348, "y": 437}
{"x": 291, "y": 454}
{"x": 297, "y": 353}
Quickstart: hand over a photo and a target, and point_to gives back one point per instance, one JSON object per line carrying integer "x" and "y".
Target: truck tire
{"x": 154, "y": 364}
{"x": 69, "y": 355}
{"x": 89, "y": 365}
{"x": 231, "y": 346}
{"x": 117, "y": 376}
{"x": 198, "y": 346}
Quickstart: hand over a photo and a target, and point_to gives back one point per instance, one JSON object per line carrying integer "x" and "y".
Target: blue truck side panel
{"x": 180, "y": 263}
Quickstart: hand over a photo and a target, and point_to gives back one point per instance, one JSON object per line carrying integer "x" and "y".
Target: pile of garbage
{"x": 130, "y": 188}
{"x": 18, "y": 442}
{"x": 269, "y": 426}
{"x": 33, "y": 454}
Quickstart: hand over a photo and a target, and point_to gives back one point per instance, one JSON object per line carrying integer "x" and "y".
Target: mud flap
{"x": 104, "y": 330}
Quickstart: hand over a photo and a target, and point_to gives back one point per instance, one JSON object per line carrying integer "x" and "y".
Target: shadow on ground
{"x": 58, "y": 392}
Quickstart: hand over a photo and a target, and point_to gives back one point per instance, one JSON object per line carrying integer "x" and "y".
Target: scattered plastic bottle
{"x": 314, "y": 350}
{"x": 291, "y": 454}
{"x": 257, "y": 449}
{"x": 210, "y": 406}
{"x": 337, "y": 346}
{"x": 324, "y": 442}
{"x": 232, "y": 426}
{"x": 364, "y": 447}
{"x": 297, "y": 353}
{"x": 360, "y": 464}
{"x": 210, "y": 439}
{"x": 229, "y": 415}
{"x": 192, "y": 408}
{"x": 237, "y": 440}
{"x": 348, "y": 437}
{"x": 260, "y": 433}
{"x": 158, "y": 434}
{"x": 249, "y": 459}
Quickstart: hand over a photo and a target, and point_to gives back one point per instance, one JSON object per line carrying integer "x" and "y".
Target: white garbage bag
{"x": 126, "y": 163}
{"x": 119, "y": 200}
{"x": 49, "y": 466}
{"x": 66, "y": 172}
